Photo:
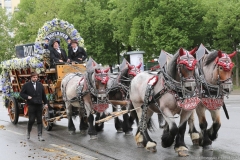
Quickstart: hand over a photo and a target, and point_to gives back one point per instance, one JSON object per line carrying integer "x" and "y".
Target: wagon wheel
{"x": 13, "y": 110}
{"x": 45, "y": 115}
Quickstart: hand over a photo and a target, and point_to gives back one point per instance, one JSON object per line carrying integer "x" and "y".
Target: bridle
{"x": 189, "y": 62}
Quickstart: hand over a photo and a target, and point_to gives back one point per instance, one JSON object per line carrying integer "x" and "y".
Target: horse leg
{"x": 71, "y": 126}
{"x": 117, "y": 122}
{"x": 99, "y": 127}
{"x": 127, "y": 128}
{"x": 161, "y": 120}
{"x": 170, "y": 130}
{"x": 192, "y": 130}
{"x": 83, "y": 125}
{"x": 180, "y": 145}
{"x": 91, "y": 131}
{"x": 151, "y": 145}
{"x": 204, "y": 139}
{"x": 213, "y": 131}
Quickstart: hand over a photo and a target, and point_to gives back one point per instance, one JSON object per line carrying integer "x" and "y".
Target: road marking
{"x": 72, "y": 151}
{"x": 15, "y": 132}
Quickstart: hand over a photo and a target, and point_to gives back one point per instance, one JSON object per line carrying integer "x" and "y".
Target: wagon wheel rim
{"x": 45, "y": 122}
{"x": 11, "y": 110}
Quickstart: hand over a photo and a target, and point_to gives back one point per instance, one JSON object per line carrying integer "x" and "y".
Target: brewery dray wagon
{"x": 17, "y": 71}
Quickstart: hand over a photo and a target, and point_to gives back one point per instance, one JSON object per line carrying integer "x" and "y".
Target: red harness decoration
{"x": 212, "y": 103}
{"x": 152, "y": 81}
{"x": 102, "y": 76}
{"x": 225, "y": 62}
{"x": 188, "y": 103}
{"x": 100, "y": 107}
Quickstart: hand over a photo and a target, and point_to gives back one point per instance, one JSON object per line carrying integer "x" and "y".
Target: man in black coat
{"x": 76, "y": 53}
{"x": 33, "y": 92}
{"x": 57, "y": 55}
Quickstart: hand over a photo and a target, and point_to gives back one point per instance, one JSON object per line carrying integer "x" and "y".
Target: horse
{"x": 84, "y": 95}
{"x": 171, "y": 91}
{"x": 215, "y": 82}
{"x": 119, "y": 90}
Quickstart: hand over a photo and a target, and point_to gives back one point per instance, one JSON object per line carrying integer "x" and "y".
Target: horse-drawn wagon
{"x": 17, "y": 71}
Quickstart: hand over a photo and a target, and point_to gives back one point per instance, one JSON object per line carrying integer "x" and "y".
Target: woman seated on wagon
{"x": 76, "y": 53}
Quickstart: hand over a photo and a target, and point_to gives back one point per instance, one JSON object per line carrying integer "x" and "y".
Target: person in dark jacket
{"x": 57, "y": 55}
{"x": 76, "y": 53}
{"x": 33, "y": 92}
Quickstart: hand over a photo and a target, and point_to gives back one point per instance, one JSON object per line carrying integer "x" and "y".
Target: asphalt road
{"x": 110, "y": 144}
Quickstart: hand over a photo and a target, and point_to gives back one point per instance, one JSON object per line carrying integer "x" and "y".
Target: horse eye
{"x": 220, "y": 67}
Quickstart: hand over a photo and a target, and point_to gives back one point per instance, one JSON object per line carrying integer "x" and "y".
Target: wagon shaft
{"x": 116, "y": 102}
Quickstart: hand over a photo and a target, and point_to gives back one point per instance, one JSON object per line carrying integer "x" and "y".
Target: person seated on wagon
{"x": 76, "y": 53}
{"x": 57, "y": 55}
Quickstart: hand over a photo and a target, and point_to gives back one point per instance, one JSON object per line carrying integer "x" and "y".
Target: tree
{"x": 19, "y": 21}
{"x": 223, "y": 20}
{"x": 92, "y": 21}
{"x": 6, "y": 44}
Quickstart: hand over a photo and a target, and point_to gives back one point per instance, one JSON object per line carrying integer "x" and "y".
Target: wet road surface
{"x": 110, "y": 144}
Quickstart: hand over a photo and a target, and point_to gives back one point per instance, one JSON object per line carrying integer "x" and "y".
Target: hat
{"x": 55, "y": 40}
{"x": 74, "y": 41}
{"x": 34, "y": 74}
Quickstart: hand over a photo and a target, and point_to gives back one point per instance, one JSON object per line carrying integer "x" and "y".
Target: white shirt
{"x": 75, "y": 49}
{"x": 59, "y": 51}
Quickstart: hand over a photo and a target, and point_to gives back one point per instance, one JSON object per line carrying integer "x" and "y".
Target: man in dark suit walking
{"x": 33, "y": 92}
{"x": 76, "y": 53}
{"x": 57, "y": 55}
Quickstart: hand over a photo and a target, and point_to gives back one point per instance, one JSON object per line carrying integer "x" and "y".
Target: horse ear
{"x": 192, "y": 52}
{"x": 181, "y": 52}
{"x": 97, "y": 71}
{"x": 129, "y": 66}
{"x": 138, "y": 66}
{"x": 219, "y": 53}
{"x": 93, "y": 64}
{"x": 232, "y": 54}
{"x": 106, "y": 70}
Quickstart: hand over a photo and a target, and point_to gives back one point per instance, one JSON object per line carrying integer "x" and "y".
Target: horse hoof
{"x": 195, "y": 138}
{"x": 151, "y": 146}
{"x": 93, "y": 137}
{"x": 120, "y": 130}
{"x": 140, "y": 145}
{"x": 209, "y": 147}
{"x": 72, "y": 132}
{"x": 128, "y": 133}
{"x": 83, "y": 132}
{"x": 183, "y": 153}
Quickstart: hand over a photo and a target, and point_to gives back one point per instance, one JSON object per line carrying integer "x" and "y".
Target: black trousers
{"x": 34, "y": 111}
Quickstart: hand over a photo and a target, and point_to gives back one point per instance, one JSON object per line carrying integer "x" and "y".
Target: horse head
{"x": 133, "y": 70}
{"x": 223, "y": 70}
{"x": 186, "y": 64}
{"x": 101, "y": 78}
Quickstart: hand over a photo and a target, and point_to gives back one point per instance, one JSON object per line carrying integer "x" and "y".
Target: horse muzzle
{"x": 227, "y": 86}
{"x": 190, "y": 84}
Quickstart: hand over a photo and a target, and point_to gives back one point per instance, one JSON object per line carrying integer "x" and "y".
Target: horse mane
{"x": 123, "y": 68}
{"x": 211, "y": 57}
{"x": 172, "y": 66}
